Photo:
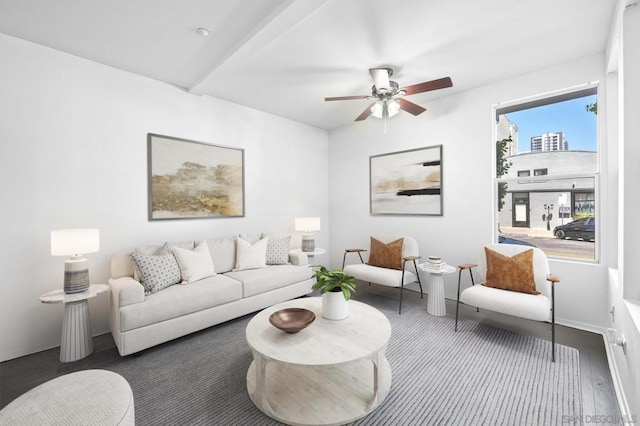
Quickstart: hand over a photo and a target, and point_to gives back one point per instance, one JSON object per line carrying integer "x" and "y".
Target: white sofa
{"x": 138, "y": 321}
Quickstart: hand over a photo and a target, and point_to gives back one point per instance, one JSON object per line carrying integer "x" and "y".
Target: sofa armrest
{"x": 125, "y": 291}
{"x": 298, "y": 257}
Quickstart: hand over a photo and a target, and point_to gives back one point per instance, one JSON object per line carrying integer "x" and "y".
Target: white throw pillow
{"x": 251, "y": 256}
{"x": 194, "y": 264}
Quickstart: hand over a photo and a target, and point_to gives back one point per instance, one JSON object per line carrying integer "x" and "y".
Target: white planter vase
{"x": 334, "y": 307}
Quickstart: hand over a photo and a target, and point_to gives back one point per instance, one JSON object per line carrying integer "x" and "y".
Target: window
{"x": 555, "y": 209}
{"x": 540, "y": 172}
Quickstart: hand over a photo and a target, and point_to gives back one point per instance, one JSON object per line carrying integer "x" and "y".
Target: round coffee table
{"x": 332, "y": 372}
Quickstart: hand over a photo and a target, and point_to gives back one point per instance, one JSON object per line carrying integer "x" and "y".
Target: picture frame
{"x": 406, "y": 182}
{"x": 189, "y": 179}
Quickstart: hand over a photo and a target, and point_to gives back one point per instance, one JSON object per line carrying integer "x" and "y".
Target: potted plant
{"x": 335, "y": 287}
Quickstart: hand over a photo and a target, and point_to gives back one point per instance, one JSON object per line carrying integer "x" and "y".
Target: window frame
{"x": 544, "y": 169}
{"x": 548, "y": 98}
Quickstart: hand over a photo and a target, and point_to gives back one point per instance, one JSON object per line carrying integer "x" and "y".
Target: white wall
{"x": 73, "y": 154}
{"x": 463, "y": 124}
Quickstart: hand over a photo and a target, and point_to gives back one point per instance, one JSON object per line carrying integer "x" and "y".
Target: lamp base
{"x": 308, "y": 243}
{"x": 76, "y": 275}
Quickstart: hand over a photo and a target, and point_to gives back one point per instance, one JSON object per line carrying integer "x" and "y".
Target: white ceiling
{"x": 286, "y": 56}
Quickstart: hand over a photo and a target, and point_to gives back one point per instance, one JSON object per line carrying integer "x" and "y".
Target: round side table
{"x": 315, "y": 252}
{"x": 435, "y": 302}
{"x": 77, "y": 342}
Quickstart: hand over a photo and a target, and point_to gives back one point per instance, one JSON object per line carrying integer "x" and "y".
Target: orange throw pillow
{"x": 511, "y": 273}
{"x": 386, "y": 255}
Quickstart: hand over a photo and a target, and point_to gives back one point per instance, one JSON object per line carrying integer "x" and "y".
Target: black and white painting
{"x": 407, "y": 182}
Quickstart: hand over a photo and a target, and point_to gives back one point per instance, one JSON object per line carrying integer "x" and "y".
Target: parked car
{"x": 584, "y": 229}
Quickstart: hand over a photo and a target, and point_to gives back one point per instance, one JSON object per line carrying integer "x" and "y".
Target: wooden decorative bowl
{"x": 292, "y": 320}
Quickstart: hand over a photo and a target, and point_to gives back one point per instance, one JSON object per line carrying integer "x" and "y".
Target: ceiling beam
{"x": 285, "y": 16}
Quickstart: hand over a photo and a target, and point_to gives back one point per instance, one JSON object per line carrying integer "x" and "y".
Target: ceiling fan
{"x": 389, "y": 95}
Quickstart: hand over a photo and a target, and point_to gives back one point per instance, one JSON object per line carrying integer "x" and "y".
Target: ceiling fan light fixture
{"x": 391, "y": 106}
{"x": 377, "y": 109}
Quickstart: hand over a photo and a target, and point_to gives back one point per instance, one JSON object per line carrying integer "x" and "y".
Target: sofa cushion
{"x": 256, "y": 281}
{"x": 278, "y": 250}
{"x": 223, "y": 254}
{"x": 194, "y": 264}
{"x": 180, "y": 300}
{"x": 535, "y": 307}
{"x": 375, "y": 274}
{"x": 252, "y": 238}
{"x": 250, "y": 255}
{"x": 157, "y": 271}
{"x": 164, "y": 248}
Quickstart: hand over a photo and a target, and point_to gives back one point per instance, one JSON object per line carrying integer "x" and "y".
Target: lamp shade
{"x": 69, "y": 242}
{"x": 307, "y": 224}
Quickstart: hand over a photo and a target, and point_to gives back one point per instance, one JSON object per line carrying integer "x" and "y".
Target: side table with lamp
{"x": 77, "y": 341}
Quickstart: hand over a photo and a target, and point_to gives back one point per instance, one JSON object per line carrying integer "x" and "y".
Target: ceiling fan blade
{"x": 346, "y": 98}
{"x": 365, "y": 114}
{"x": 428, "y": 86}
{"x": 380, "y": 77}
{"x": 410, "y": 107}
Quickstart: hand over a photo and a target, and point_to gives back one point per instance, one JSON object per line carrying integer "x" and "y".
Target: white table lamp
{"x": 307, "y": 225}
{"x": 75, "y": 243}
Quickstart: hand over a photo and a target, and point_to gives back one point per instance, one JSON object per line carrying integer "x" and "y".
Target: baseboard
{"x": 581, "y": 326}
{"x": 625, "y": 411}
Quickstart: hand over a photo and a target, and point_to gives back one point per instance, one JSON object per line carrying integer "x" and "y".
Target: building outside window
{"x": 540, "y": 209}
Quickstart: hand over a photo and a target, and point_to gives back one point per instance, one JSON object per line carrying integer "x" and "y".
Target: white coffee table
{"x": 435, "y": 302}
{"x": 332, "y": 372}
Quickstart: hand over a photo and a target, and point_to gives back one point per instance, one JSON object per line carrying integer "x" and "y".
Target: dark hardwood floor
{"x": 19, "y": 375}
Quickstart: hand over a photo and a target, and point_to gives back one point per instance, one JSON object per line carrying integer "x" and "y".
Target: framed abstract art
{"x": 406, "y": 182}
{"x": 190, "y": 179}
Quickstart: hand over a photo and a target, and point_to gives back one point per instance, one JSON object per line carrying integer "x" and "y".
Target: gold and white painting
{"x": 407, "y": 182}
{"x": 190, "y": 179}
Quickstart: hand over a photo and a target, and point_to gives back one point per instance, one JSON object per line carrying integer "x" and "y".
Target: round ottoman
{"x": 82, "y": 398}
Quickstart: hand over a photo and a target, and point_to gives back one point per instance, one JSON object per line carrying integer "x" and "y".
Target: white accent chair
{"x": 536, "y": 307}
{"x": 386, "y": 276}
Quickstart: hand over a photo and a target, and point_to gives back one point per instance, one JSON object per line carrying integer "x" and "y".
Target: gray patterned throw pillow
{"x": 157, "y": 271}
{"x": 278, "y": 251}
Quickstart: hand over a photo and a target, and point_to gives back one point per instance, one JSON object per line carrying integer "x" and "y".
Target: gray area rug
{"x": 480, "y": 375}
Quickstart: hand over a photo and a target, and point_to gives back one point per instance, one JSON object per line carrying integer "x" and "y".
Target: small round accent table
{"x": 315, "y": 252}
{"x": 435, "y": 302}
{"x": 330, "y": 373}
{"x": 77, "y": 342}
